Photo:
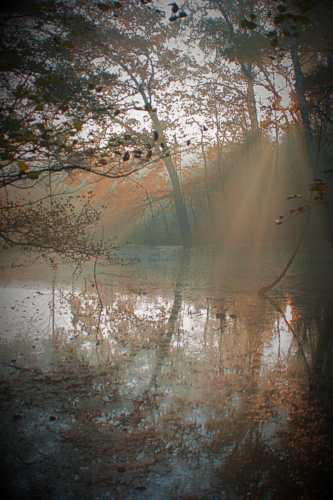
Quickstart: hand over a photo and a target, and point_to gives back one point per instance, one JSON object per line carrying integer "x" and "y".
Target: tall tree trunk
{"x": 250, "y": 96}
{"x": 303, "y": 107}
{"x": 180, "y": 206}
{"x": 208, "y": 197}
{"x": 251, "y": 100}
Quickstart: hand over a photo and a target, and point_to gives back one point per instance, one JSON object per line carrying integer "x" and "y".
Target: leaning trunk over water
{"x": 308, "y": 135}
{"x": 312, "y": 157}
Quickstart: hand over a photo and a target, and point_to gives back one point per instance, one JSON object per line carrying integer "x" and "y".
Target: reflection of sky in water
{"x": 149, "y": 309}
{"x": 25, "y": 312}
{"x": 223, "y": 368}
{"x": 281, "y": 344}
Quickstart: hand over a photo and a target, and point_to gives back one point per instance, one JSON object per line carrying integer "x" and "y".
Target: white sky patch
{"x": 151, "y": 309}
{"x": 25, "y": 312}
{"x": 281, "y": 344}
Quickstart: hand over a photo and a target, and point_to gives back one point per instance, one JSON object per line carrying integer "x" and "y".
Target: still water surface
{"x": 166, "y": 376}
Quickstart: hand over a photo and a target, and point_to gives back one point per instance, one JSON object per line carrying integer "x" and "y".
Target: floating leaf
{"x": 14, "y": 124}
{"x": 318, "y": 185}
{"x": 293, "y": 196}
{"x": 78, "y": 125}
{"x": 21, "y": 92}
{"x": 278, "y": 222}
{"x": 274, "y": 42}
{"x": 173, "y": 18}
{"x": 304, "y": 20}
{"x": 33, "y": 175}
{"x": 271, "y": 33}
{"x": 23, "y": 166}
{"x": 322, "y": 186}
{"x": 41, "y": 82}
{"x": 55, "y": 79}
{"x": 251, "y": 25}
{"x": 103, "y": 7}
{"x": 279, "y": 18}
{"x": 300, "y": 209}
{"x": 291, "y": 211}
{"x": 305, "y": 6}
{"x": 248, "y": 24}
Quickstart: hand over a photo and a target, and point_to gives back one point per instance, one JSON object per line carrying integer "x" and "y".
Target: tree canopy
{"x": 110, "y": 90}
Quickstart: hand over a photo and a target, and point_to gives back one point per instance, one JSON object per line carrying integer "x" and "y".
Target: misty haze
{"x": 166, "y": 249}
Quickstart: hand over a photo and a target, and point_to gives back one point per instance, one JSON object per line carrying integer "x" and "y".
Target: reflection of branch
{"x": 166, "y": 336}
{"x": 99, "y": 297}
{"x": 290, "y": 328}
{"x": 267, "y": 288}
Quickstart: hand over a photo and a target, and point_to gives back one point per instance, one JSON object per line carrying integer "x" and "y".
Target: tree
{"x": 73, "y": 104}
{"x": 55, "y": 227}
{"x": 48, "y": 99}
{"x": 290, "y": 21}
{"x": 234, "y": 44}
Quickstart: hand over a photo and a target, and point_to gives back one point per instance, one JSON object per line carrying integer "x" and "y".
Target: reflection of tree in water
{"x": 166, "y": 334}
{"x": 322, "y": 370}
{"x": 253, "y": 419}
{"x": 137, "y": 402}
{"x": 293, "y": 460}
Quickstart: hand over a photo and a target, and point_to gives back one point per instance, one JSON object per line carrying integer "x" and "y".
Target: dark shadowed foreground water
{"x": 168, "y": 377}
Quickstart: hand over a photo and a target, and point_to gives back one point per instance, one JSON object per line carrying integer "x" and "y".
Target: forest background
{"x": 156, "y": 123}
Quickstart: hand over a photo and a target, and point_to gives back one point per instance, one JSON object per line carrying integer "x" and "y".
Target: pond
{"x": 165, "y": 375}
